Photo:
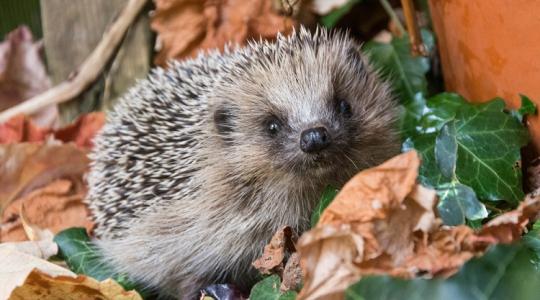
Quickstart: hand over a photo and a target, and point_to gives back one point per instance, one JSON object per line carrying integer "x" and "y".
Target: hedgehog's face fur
{"x": 311, "y": 106}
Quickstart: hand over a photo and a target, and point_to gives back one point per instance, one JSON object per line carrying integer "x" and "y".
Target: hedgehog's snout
{"x": 314, "y": 140}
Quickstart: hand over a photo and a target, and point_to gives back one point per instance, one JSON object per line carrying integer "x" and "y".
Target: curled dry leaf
{"x": 22, "y": 73}
{"x": 24, "y": 276}
{"x": 509, "y": 226}
{"x": 292, "y": 274}
{"x": 39, "y": 283}
{"x": 22, "y": 129}
{"x": 273, "y": 258}
{"x": 185, "y": 27}
{"x": 381, "y": 222}
{"x": 16, "y": 266}
{"x": 48, "y": 180}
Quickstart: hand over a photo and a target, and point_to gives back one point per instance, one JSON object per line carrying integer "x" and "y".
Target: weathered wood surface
{"x": 72, "y": 29}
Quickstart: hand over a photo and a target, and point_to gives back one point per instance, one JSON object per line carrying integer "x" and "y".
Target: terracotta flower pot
{"x": 491, "y": 48}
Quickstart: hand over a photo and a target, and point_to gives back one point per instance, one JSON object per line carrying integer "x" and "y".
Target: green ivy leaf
{"x": 468, "y": 146}
{"x": 331, "y": 19}
{"x": 527, "y": 108}
{"x": 446, "y": 148}
{"x": 441, "y": 109}
{"x": 75, "y": 247}
{"x": 268, "y": 289}
{"x": 410, "y": 115}
{"x": 475, "y": 224}
{"x": 532, "y": 240}
{"x": 504, "y": 272}
{"x": 489, "y": 143}
{"x": 458, "y": 202}
{"x": 406, "y": 73}
{"x": 429, "y": 174}
{"x": 328, "y": 195}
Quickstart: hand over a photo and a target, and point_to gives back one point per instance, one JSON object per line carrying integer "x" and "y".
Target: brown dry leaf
{"x": 22, "y": 129}
{"x": 17, "y": 265}
{"x": 57, "y": 206}
{"x": 22, "y": 73}
{"x": 41, "y": 242}
{"x": 369, "y": 194}
{"x": 509, "y": 226}
{"x": 83, "y": 130}
{"x": 48, "y": 180}
{"x": 33, "y": 232}
{"x": 25, "y": 166}
{"x": 273, "y": 258}
{"x": 292, "y": 274}
{"x": 327, "y": 255}
{"x": 40, "y": 285}
{"x": 24, "y": 276}
{"x": 185, "y": 27}
{"x": 381, "y": 222}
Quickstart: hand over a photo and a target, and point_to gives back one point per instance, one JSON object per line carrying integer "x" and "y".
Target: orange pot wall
{"x": 491, "y": 48}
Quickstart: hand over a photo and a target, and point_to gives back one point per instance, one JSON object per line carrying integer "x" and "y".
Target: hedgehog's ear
{"x": 224, "y": 117}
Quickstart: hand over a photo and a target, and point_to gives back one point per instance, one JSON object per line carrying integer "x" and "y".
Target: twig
{"x": 417, "y": 46}
{"x": 88, "y": 72}
{"x": 388, "y": 8}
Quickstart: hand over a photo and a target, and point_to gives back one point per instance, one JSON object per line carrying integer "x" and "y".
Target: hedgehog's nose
{"x": 314, "y": 139}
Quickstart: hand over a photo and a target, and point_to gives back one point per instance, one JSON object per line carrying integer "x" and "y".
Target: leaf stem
{"x": 417, "y": 45}
{"x": 392, "y": 14}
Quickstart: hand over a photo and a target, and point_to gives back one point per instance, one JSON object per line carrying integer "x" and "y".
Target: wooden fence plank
{"x": 71, "y": 30}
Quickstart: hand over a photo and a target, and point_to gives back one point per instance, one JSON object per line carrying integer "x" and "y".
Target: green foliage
{"x": 15, "y": 13}
{"x": 458, "y": 202}
{"x": 470, "y": 153}
{"x": 504, "y": 272}
{"x": 331, "y": 19}
{"x": 82, "y": 257}
{"x": 328, "y": 195}
{"x": 268, "y": 289}
{"x": 467, "y": 146}
{"x": 395, "y": 62}
{"x": 527, "y": 108}
{"x": 532, "y": 240}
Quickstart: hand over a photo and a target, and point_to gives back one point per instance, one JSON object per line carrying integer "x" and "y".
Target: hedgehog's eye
{"x": 273, "y": 126}
{"x": 344, "y": 108}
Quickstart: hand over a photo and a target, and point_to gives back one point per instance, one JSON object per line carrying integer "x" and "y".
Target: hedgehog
{"x": 202, "y": 162}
